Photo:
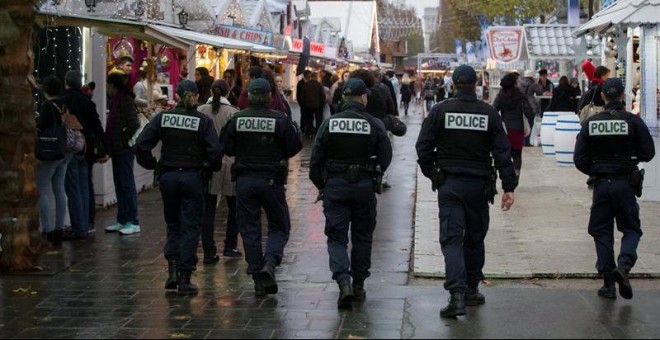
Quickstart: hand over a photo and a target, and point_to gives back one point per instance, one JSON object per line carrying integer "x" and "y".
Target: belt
{"x": 169, "y": 168}
{"x": 613, "y": 176}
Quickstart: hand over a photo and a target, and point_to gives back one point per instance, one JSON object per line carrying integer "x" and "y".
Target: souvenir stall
{"x": 618, "y": 23}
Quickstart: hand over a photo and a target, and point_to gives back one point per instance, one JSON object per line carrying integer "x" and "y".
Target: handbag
{"x": 527, "y": 130}
{"x": 143, "y": 122}
{"x": 590, "y": 109}
{"x": 75, "y": 140}
{"x": 51, "y": 142}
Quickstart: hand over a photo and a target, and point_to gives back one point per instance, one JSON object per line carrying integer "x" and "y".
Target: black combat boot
{"x": 267, "y": 276}
{"x": 345, "y": 294}
{"x": 621, "y": 277}
{"x": 608, "y": 290}
{"x": 473, "y": 297}
{"x": 359, "y": 294}
{"x": 185, "y": 287}
{"x": 173, "y": 274}
{"x": 456, "y": 306}
{"x": 57, "y": 237}
{"x": 259, "y": 289}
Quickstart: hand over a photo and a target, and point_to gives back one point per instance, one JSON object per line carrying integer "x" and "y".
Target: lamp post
{"x": 183, "y": 17}
{"x": 91, "y": 4}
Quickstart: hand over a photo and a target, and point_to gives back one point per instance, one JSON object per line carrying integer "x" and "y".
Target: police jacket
{"x": 462, "y": 136}
{"x": 350, "y": 137}
{"x": 612, "y": 142}
{"x": 262, "y": 141}
{"x": 189, "y": 141}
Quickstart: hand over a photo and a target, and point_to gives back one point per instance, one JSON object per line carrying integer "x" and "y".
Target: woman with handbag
{"x": 51, "y": 172}
{"x": 592, "y": 102}
{"x": 514, "y": 108}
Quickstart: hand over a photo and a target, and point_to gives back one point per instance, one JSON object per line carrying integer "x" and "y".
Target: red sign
{"x": 315, "y": 49}
{"x": 505, "y": 43}
{"x": 252, "y": 36}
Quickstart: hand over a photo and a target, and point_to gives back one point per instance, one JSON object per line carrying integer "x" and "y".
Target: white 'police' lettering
{"x": 466, "y": 121}
{"x": 180, "y": 122}
{"x": 350, "y": 125}
{"x": 608, "y": 128}
{"x": 255, "y": 124}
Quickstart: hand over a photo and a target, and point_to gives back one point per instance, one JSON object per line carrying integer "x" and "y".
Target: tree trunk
{"x": 19, "y": 217}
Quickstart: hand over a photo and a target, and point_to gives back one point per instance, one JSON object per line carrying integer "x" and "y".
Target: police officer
{"x": 609, "y": 147}
{"x": 190, "y": 150}
{"x": 262, "y": 140}
{"x": 456, "y": 147}
{"x": 350, "y": 151}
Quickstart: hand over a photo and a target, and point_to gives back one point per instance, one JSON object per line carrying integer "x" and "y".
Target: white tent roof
{"x": 358, "y": 19}
{"x": 626, "y": 12}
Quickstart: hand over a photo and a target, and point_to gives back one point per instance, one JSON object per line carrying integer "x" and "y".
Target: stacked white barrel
{"x": 548, "y": 124}
{"x": 566, "y": 131}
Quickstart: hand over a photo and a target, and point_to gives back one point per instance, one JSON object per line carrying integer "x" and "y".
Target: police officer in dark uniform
{"x": 456, "y": 147}
{"x": 190, "y": 151}
{"x": 350, "y": 153}
{"x": 609, "y": 147}
{"x": 262, "y": 140}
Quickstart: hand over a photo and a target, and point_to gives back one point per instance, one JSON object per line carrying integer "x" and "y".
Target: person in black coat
{"x": 562, "y": 96}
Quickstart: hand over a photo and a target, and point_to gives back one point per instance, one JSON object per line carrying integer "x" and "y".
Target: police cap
{"x": 355, "y": 87}
{"x": 186, "y": 86}
{"x": 259, "y": 86}
{"x": 464, "y": 75}
{"x": 613, "y": 88}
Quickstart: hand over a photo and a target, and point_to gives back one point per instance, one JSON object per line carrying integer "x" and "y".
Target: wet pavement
{"x": 111, "y": 286}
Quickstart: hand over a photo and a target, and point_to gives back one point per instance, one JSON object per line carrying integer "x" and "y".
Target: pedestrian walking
{"x": 262, "y": 141}
{"x": 514, "y": 109}
{"x": 350, "y": 153}
{"x": 454, "y": 150}
{"x": 406, "y": 92}
{"x": 190, "y": 151}
{"x": 220, "y": 111}
{"x": 563, "y": 97}
{"x": 609, "y": 147}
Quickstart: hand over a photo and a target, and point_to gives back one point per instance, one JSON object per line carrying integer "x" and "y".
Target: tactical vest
{"x": 463, "y": 140}
{"x": 257, "y": 144}
{"x": 611, "y": 138}
{"x": 180, "y": 135}
{"x": 349, "y": 139}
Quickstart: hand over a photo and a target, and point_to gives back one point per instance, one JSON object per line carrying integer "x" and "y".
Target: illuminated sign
{"x": 244, "y": 34}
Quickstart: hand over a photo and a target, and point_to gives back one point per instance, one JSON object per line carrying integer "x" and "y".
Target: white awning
{"x": 113, "y": 27}
{"x": 625, "y": 12}
{"x": 213, "y": 40}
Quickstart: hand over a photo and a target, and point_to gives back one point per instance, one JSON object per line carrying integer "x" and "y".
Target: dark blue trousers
{"x": 349, "y": 205}
{"x": 183, "y": 204}
{"x": 251, "y": 195}
{"x": 614, "y": 199}
{"x": 463, "y": 226}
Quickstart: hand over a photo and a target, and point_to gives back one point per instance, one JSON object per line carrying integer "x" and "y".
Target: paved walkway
{"x": 112, "y": 286}
{"x": 543, "y": 235}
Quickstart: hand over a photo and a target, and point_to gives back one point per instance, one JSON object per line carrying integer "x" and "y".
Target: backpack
{"x": 75, "y": 140}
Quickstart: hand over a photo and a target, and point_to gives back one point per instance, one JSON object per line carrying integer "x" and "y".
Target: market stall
{"x": 619, "y": 22}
